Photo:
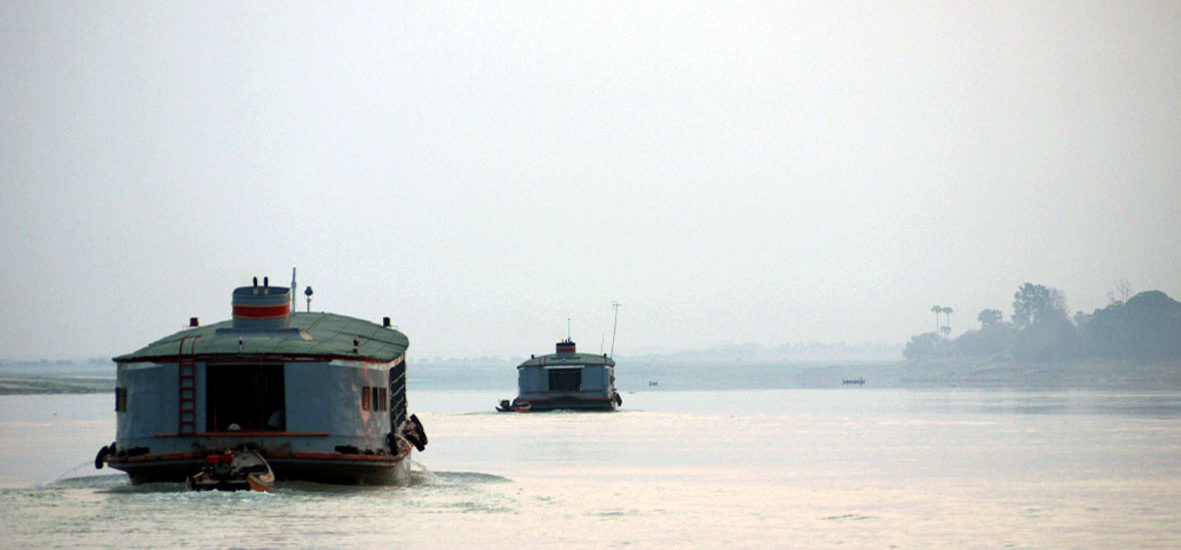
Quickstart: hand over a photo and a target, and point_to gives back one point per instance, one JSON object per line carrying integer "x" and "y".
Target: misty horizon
{"x": 729, "y": 173}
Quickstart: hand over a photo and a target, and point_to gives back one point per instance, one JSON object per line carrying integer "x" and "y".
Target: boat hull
{"x": 333, "y": 468}
{"x": 568, "y": 404}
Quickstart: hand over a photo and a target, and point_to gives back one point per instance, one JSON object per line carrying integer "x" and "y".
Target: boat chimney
{"x": 566, "y": 346}
{"x": 270, "y": 310}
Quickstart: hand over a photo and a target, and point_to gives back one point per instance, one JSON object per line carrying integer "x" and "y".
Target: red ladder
{"x": 187, "y": 392}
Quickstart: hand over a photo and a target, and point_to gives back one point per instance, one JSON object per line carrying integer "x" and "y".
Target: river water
{"x": 848, "y": 467}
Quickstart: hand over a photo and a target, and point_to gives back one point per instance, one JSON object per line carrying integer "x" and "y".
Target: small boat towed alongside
{"x": 233, "y": 471}
{"x": 314, "y": 396}
{"x": 566, "y": 380}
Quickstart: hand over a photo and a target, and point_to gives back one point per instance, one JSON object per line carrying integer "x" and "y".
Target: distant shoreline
{"x": 1005, "y": 373}
{"x": 38, "y": 385}
{"x": 946, "y": 372}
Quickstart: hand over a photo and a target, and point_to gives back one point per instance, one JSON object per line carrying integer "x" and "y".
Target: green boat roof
{"x": 309, "y": 335}
{"x": 568, "y": 359}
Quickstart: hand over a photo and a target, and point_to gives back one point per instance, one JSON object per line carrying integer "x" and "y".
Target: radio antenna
{"x": 615, "y": 306}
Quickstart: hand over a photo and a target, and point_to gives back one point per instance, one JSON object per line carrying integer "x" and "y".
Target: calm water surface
{"x": 850, "y": 467}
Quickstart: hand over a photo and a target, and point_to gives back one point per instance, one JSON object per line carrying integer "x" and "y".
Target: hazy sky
{"x": 730, "y": 172}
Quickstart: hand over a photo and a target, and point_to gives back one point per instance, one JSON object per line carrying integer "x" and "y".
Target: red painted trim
{"x": 157, "y": 458}
{"x": 574, "y": 397}
{"x": 244, "y": 434}
{"x": 240, "y": 357}
{"x": 261, "y": 312}
{"x": 308, "y": 455}
{"x": 305, "y": 455}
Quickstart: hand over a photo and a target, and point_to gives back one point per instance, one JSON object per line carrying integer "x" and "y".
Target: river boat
{"x": 320, "y": 396}
{"x": 565, "y": 380}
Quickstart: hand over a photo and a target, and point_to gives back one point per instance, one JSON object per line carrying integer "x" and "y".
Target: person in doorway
{"x": 277, "y": 420}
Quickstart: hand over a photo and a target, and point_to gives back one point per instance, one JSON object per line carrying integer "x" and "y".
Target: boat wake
{"x": 466, "y": 478}
{"x": 99, "y": 481}
{"x": 421, "y": 476}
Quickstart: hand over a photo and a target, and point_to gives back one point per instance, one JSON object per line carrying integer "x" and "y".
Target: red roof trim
{"x": 240, "y": 357}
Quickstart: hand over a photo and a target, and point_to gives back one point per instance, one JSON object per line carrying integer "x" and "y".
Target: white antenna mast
{"x": 615, "y": 306}
{"x": 293, "y": 306}
{"x": 567, "y": 329}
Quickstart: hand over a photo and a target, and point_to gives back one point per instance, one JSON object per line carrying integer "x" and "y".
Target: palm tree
{"x": 936, "y": 309}
{"x": 947, "y": 311}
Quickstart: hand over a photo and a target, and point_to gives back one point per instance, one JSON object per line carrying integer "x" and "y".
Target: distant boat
{"x": 567, "y": 380}
{"x": 853, "y": 381}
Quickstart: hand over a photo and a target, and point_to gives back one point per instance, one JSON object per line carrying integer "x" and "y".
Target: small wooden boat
{"x": 516, "y": 405}
{"x": 233, "y": 471}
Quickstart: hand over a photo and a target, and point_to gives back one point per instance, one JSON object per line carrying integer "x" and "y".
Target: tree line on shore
{"x": 1144, "y": 326}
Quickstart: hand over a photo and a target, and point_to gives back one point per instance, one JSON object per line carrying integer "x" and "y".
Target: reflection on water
{"x": 819, "y": 468}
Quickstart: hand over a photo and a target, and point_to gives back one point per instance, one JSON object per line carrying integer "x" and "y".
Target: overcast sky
{"x": 729, "y": 172}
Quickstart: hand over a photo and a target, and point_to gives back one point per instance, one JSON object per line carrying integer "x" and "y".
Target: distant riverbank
{"x": 1094, "y": 374}
{"x": 25, "y": 385}
{"x": 945, "y": 372}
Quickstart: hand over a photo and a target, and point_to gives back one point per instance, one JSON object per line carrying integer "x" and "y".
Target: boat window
{"x": 252, "y": 396}
{"x": 375, "y": 399}
{"x": 121, "y": 399}
{"x": 565, "y": 379}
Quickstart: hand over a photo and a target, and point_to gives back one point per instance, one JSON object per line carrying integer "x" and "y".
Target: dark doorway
{"x": 248, "y": 395}
{"x": 565, "y": 379}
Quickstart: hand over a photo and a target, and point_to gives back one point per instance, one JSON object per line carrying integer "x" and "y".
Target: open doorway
{"x": 250, "y": 396}
{"x": 566, "y": 380}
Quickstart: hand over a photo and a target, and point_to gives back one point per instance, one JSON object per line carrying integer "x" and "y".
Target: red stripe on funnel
{"x": 261, "y": 312}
